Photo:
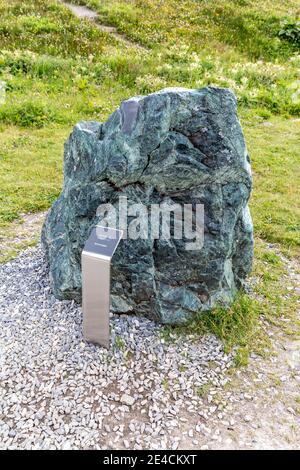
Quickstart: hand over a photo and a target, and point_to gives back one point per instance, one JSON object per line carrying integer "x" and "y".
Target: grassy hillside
{"x": 58, "y": 69}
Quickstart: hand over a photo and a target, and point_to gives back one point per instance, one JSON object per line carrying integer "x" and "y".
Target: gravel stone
{"x": 127, "y": 400}
{"x": 59, "y": 392}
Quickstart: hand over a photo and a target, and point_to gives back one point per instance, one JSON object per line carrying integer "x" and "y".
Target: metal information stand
{"x": 96, "y": 259}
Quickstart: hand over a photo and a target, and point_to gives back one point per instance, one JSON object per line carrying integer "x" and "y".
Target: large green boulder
{"x": 175, "y": 146}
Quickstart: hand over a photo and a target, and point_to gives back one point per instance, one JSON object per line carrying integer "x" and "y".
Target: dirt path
{"x": 86, "y": 13}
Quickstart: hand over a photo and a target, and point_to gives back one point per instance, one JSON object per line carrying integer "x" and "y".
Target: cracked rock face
{"x": 176, "y": 146}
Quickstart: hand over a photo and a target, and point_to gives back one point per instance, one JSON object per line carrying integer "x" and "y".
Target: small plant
{"x": 128, "y": 355}
{"x": 39, "y": 25}
{"x": 203, "y": 390}
{"x": 28, "y": 114}
{"x": 119, "y": 343}
{"x": 241, "y": 357}
{"x": 165, "y": 384}
{"x": 271, "y": 258}
{"x": 290, "y": 30}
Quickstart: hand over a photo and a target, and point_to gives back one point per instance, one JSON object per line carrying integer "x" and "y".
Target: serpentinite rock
{"x": 175, "y": 146}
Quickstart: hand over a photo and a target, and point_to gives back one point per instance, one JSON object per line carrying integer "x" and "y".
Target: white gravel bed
{"x": 59, "y": 392}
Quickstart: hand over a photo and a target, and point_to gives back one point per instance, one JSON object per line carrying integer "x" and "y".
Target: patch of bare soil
{"x": 86, "y": 13}
{"x": 21, "y": 233}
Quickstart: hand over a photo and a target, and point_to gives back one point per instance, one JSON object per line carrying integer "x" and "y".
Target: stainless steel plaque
{"x": 95, "y": 261}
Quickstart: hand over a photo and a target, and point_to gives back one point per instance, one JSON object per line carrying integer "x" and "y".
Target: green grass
{"x": 275, "y": 154}
{"x": 31, "y": 169}
{"x": 244, "y": 25}
{"x": 227, "y": 43}
{"x": 11, "y": 253}
{"x": 203, "y": 390}
{"x": 244, "y": 326}
{"x": 58, "y": 70}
